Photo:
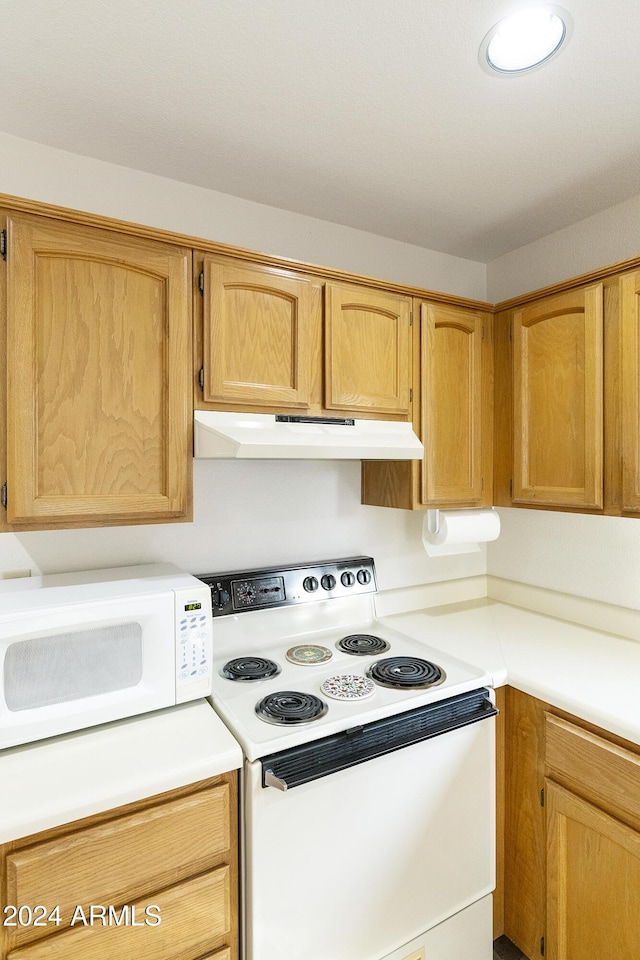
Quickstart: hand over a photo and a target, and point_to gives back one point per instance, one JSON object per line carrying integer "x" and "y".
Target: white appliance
{"x": 262, "y": 436}
{"x": 368, "y": 788}
{"x": 82, "y": 649}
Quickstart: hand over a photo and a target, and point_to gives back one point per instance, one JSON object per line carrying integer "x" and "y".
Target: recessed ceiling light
{"x": 525, "y": 39}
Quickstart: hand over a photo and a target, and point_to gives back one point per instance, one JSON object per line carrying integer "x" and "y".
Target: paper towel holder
{"x": 433, "y": 521}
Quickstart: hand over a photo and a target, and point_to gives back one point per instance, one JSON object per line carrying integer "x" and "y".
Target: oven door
{"x": 358, "y": 862}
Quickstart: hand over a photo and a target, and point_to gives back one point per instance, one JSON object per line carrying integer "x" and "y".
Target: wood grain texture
{"x": 257, "y": 335}
{"x": 558, "y": 400}
{"x": 452, "y": 414}
{"x": 196, "y": 919}
{"x": 525, "y": 853}
{"x": 502, "y": 410}
{"x": 168, "y": 849}
{"x": 593, "y": 881}
{"x": 629, "y": 287}
{"x": 98, "y": 344}
{"x": 452, "y": 405}
{"x": 367, "y": 350}
{"x": 594, "y": 767}
{"x": 137, "y": 854}
{"x": 130, "y": 229}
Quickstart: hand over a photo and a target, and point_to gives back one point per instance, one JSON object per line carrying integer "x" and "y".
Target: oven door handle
{"x": 309, "y": 761}
{"x": 270, "y": 780}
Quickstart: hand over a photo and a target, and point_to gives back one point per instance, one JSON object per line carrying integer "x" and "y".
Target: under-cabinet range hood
{"x": 259, "y": 436}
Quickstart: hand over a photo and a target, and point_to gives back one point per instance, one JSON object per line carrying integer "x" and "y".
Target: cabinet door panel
{"x": 451, "y": 404}
{"x": 98, "y": 345}
{"x": 558, "y": 400}
{"x": 367, "y": 350}
{"x": 163, "y": 844}
{"x": 630, "y": 401}
{"x": 593, "y": 881}
{"x": 256, "y": 336}
{"x": 195, "y": 917}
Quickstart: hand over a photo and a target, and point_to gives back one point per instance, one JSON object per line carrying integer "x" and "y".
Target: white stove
{"x": 269, "y": 634}
{"x": 367, "y": 828}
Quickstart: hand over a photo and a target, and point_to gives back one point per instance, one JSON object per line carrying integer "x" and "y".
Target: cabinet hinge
{"x": 510, "y": 488}
{"x": 3, "y": 244}
{"x": 410, "y": 394}
{"x": 542, "y": 946}
{"x": 201, "y": 378}
{"x": 411, "y": 318}
{"x": 511, "y": 330}
{"x": 201, "y": 282}
{"x": 482, "y": 338}
{"x": 3, "y": 495}
{"x": 542, "y": 797}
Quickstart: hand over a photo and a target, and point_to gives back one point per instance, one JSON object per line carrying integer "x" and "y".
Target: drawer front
{"x": 195, "y": 920}
{"x": 595, "y": 768}
{"x": 119, "y": 861}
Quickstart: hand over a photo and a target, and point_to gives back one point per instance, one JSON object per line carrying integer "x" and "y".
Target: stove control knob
{"x": 310, "y": 584}
{"x": 328, "y": 581}
{"x": 364, "y": 576}
{"x": 347, "y": 579}
{"x": 220, "y": 597}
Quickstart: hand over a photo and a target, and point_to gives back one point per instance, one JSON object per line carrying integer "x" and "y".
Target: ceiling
{"x": 370, "y": 113}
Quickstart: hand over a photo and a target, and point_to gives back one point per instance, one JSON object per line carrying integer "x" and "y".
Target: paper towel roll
{"x": 459, "y": 531}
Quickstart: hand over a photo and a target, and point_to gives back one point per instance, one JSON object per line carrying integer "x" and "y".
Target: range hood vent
{"x": 259, "y": 436}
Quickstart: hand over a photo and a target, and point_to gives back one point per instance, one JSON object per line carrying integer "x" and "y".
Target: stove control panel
{"x": 282, "y": 586}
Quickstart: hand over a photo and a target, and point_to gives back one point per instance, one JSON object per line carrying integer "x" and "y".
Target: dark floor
{"x": 503, "y": 949}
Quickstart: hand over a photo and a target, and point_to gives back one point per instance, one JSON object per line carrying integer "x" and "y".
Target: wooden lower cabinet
{"x": 572, "y": 836}
{"x": 156, "y": 879}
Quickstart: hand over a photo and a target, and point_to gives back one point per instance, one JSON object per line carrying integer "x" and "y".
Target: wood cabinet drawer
{"x": 195, "y": 921}
{"x": 123, "y": 859}
{"x": 595, "y": 768}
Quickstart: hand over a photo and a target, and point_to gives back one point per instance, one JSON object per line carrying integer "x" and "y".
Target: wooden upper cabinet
{"x": 452, "y": 404}
{"x": 630, "y": 391}
{"x": 257, "y": 335}
{"x": 367, "y": 350}
{"x": 98, "y": 375}
{"x": 558, "y": 385}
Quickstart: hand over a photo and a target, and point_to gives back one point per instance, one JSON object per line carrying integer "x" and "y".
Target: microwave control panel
{"x": 194, "y": 643}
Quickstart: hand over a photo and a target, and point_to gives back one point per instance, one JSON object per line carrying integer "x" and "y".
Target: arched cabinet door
{"x": 258, "y": 326}
{"x": 452, "y": 404}
{"x": 630, "y": 391}
{"x": 367, "y": 350}
{"x": 98, "y": 376}
{"x": 558, "y": 386}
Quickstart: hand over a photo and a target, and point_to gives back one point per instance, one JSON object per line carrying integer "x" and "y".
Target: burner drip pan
{"x": 362, "y": 644}
{"x": 290, "y": 707}
{"x": 250, "y": 668}
{"x": 406, "y": 673}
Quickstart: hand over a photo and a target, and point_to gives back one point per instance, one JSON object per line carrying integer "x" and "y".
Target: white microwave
{"x": 82, "y": 649}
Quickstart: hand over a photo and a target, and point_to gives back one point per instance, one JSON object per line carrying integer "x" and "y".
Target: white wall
{"x": 246, "y": 514}
{"x": 597, "y": 557}
{"x": 607, "y": 237}
{"x": 53, "y": 176}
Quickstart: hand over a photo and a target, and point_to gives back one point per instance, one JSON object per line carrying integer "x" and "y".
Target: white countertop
{"x": 587, "y": 672}
{"x": 56, "y": 781}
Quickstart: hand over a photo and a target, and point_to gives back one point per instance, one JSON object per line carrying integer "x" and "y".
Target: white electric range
{"x": 368, "y": 783}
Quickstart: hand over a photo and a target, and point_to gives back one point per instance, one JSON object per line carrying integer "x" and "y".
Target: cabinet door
{"x": 452, "y": 404}
{"x": 98, "y": 381}
{"x": 367, "y": 350}
{"x": 593, "y": 881}
{"x": 558, "y": 400}
{"x": 256, "y": 335}
{"x": 630, "y": 398}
